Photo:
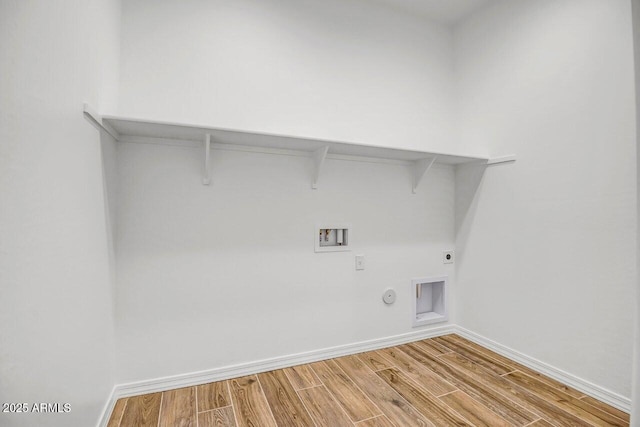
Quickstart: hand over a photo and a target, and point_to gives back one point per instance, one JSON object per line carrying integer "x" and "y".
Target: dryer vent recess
{"x": 430, "y": 302}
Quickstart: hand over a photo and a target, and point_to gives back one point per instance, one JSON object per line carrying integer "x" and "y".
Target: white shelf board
{"x": 126, "y": 126}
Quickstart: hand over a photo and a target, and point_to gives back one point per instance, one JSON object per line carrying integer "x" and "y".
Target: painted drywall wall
{"x": 221, "y": 271}
{"x": 211, "y": 276}
{"x": 56, "y": 319}
{"x": 635, "y": 396}
{"x": 349, "y": 70}
{"x": 546, "y": 248}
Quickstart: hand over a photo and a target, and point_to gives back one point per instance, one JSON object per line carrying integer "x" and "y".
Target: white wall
{"x": 546, "y": 250}
{"x": 210, "y": 276}
{"x": 341, "y": 69}
{"x": 635, "y": 402}
{"x": 56, "y": 319}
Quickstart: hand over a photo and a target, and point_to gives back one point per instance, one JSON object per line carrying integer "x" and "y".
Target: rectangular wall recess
{"x": 333, "y": 237}
{"x": 429, "y": 300}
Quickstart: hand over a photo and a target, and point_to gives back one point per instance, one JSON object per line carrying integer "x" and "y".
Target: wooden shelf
{"x": 122, "y": 128}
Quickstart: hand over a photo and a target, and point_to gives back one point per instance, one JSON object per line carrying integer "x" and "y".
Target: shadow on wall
{"x": 468, "y": 181}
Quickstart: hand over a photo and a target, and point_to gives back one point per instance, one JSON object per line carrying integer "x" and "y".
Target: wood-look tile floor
{"x": 445, "y": 381}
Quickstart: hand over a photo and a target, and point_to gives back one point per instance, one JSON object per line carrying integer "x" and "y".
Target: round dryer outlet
{"x": 389, "y": 296}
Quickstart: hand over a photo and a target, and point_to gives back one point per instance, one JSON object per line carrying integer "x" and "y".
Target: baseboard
{"x": 108, "y": 408}
{"x": 249, "y": 368}
{"x": 233, "y": 371}
{"x": 586, "y": 387}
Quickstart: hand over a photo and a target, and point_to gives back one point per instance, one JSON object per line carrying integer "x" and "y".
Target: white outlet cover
{"x": 359, "y": 262}
{"x": 448, "y": 257}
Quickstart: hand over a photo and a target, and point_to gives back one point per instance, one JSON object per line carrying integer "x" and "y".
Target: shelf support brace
{"x": 96, "y": 119}
{"x": 318, "y": 160}
{"x": 420, "y": 169}
{"x": 503, "y": 159}
{"x": 206, "y": 180}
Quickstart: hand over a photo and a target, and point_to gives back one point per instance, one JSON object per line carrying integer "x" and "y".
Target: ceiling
{"x": 444, "y": 11}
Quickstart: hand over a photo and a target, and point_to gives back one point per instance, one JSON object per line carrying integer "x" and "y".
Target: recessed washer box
{"x": 429, "y": 300}
{"x": 333, "y": 237}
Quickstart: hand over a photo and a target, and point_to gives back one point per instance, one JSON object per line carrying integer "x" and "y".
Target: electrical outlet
{"x": 447, "y": 257}
{"x": 359, "y": 262}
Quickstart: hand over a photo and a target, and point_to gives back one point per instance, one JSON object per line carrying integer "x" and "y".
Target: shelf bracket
{"x": 206, "y": 180}
{"x": 318, "y": 160}
{"x": 502, "y": 159}
{"x": 420, "y": 169}
{"x": 96, "y": 119}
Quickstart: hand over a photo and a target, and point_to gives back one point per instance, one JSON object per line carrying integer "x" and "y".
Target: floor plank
{"x": 388, "y": 400}
{"x": 375, "y": 361}
{"x": 355, "y": 403}
{"x": 213, "y": 395}
{"x": 435, "y": 382}
{"x": 478, "y": 358}
{"x": 286, "y": 406}
{"x": 302, "y": 376}
{"x": 380, "y": 421}
{"x": 116, "y": 414}
{"x": 607, "y": 408}
{"x": 142, "y": 411}
{"x": 249, "y": 403}
{"x": 431, "y": 407}
{"x": 498, "y": 403}
{"x": 482, "y": 350}
{"x": 221, "y": 417}
{"x": 424, "y": 376}
{"x": 540, "y": 423}
{"x": 570, "y": 404}
{"x": 531, "y": 401}
{"x": 433, "y": 347}
{"x": 323, "y": 408}
{"x": 473, "y": 411}
{"x": 178, "y": 408}
{"x": 517, "y": 366}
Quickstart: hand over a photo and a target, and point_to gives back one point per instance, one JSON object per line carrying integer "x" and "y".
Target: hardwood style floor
{"x": 445, "y": 381}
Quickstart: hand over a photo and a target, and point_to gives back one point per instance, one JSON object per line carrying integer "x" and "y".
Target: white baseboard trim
{"x": 248, "y": 368}
{"x": 107, "y": 409}
{"x": 614, "y": 399}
